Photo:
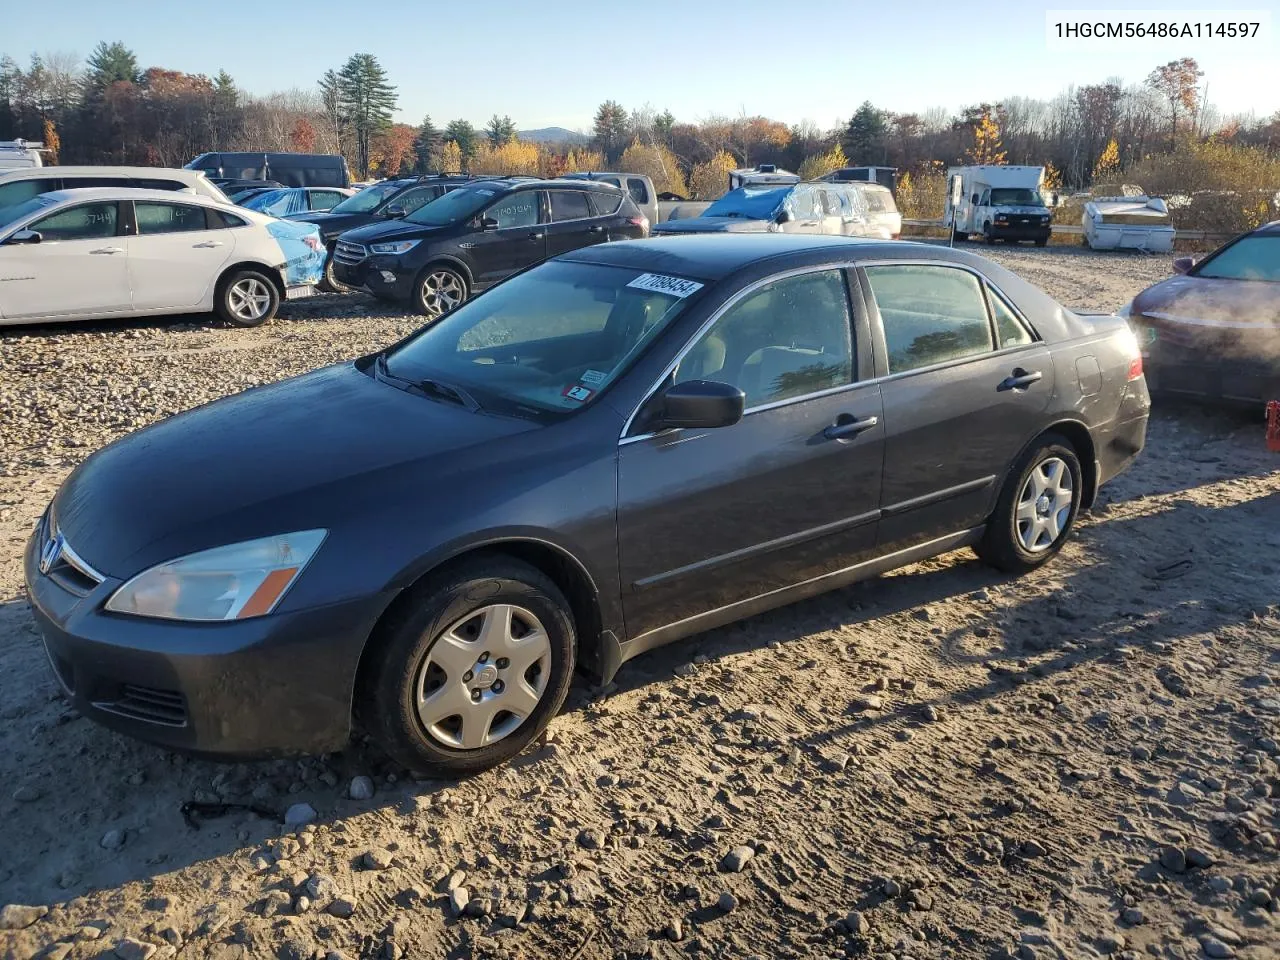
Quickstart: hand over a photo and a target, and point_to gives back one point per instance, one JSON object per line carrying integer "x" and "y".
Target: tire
{"x": 987, "y": 237}
{"x": 1018, "y": 544}
{"x": 959, "y": 235}
{"x": 246, "y": 298}
{"x": 437, "y": 290}
{"x": 413, "y": 653}
{"x": 1042, "y": 241}
{"x": 330, "y": 282}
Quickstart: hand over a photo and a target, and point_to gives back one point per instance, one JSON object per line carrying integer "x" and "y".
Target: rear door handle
{"x": 209, "y": 243}
{"x": 595, "y": 229}
{"x": 108, "y": 250}
{"x": 847, "y": 426}
{"x": 537, "y": 235}
{"x": 1020, "y": 379}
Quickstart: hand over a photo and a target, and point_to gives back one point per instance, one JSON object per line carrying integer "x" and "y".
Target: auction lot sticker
{"x": 660, "y": 283}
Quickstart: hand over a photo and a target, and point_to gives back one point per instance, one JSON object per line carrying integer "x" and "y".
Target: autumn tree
{"x": 366, "y": 99}
{"x": 1178, "y": 83}
{"x": 583, "y": 161}
{"x": 609, "y": 131}
{"x": 451, "y": 160}
{"x": 500, "y": 130}
{"x": 515, "y": 157}
{"x": 657, "y": 163}
{"x": 464, "y": 135}
{"x": 710, "y": 180}
{"x": 864, "y": 138}
{"x": 302, "y": 138}
{"x": 52, "y": 143}
{"x": 820, "y": 164}
{"x": 985, "y": 146}
{"x": 391, "y": 151}
{"x": 1108, "y": 166}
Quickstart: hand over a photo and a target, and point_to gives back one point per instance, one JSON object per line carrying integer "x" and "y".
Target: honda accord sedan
{"x": 625, "y": 445}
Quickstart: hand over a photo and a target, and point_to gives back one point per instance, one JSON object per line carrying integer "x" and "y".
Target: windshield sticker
{"x": 672, "y": 286}
{"x": 593, "y": 377}
{"x": 576, "y": 392}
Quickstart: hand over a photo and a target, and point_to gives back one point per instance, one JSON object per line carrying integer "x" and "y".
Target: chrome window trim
{"x": 707, "y": 324}
{"x": 624, "y": 440}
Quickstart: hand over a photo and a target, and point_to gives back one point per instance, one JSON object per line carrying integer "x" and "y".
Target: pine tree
{"x": 109, "y": 63}
{"x": 663, "y": 125}
{"x": 501, "y": 130}
{"x": 610, "y": 129}
{"x": 225, "y": 117}
{"x": 366, "y": 100}
{"x": 331, "y": 100}
{"x": 464, "y": 135}
{"x": 426, "y": 148}
{"x": 864, "y": 138}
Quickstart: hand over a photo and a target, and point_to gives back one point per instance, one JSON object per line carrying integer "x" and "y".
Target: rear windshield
{"x": 1253, "y": 258}
{"x": 547, "y": 341}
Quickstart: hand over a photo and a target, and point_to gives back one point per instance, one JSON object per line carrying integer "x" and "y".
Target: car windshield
{"x": 546, "y": 342}
{"x": 753, "y": 203}
{"x": 1253, "y": 258}
{"x": 16, "y": 212}
{"x": 274, "y": 202}
{"x": 368, "y": 198}
{"x": 453, "y": 207}
{"x": 1009, "y": 196}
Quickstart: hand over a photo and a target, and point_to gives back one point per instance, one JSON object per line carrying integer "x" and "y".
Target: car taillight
{"x": 641, "y": 221}
{"x": 1135, "y": 367}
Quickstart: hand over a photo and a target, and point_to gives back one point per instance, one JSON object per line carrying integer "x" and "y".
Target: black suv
{"x": 480, "y": 233}
{"x": 388, "y": 200}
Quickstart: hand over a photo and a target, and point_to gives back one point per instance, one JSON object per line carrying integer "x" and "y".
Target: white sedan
{"x": 105, "y": 252}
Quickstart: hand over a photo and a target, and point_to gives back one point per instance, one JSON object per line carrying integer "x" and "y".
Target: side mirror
{"x": 396, "y": 211}
{"x": 700, "y": 404}
{"x": 488, "y": 223}
{"x": 974, "y": 198}
{"x": 26, "y": 236}
{"x": 1183, "y": 264}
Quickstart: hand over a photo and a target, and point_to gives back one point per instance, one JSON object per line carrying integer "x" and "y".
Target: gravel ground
{"x": 938, "y": 763}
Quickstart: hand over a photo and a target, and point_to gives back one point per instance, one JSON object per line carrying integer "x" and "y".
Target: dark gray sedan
{"x": 626, "y": 445}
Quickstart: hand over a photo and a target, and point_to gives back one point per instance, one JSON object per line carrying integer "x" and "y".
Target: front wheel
{"x": 330, "y": 279}
{"x": 1042, "y": 241}
{"x": 987, "y": 236}
{"x": 438, "y": 290}
{"x": 246, "y": 298}
{"x": 472, "y": 669}
{"x": 1037, "y": 508}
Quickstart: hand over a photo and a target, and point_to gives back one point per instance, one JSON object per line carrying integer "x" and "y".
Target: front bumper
{"x": 1021, "y": 231}
{"x": 371, "y": 274}
{"x": 1194, "y": 369}
{"x": 268, "y": 686}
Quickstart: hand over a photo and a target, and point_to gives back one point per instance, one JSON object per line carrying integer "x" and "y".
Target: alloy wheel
{"x": 249, "y": 299}
{"x": 483, "y": 677}
{"x": 1044, "y": 506}
{"x": 442, "y": 290}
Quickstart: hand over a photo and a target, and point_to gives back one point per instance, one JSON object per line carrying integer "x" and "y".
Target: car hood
{"x": 1206, "y": 301}
{"x": 299, "y": 454}
{"x": 331, "y": 223}
{"x": 712, "y": 225}
{"x": 1021, "y": 209}
{"x": 384, "y": 232}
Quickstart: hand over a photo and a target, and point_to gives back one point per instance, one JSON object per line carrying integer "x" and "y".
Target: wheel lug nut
{"x": 466, "y": 677}
{"x": 476, "y": 694}
{"x": 484, "y": 657}
{"x": 498, "y": 686}
{"x": 503, "y": 663}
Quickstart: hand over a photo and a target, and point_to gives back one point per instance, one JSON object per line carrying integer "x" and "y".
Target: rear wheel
{"x": 472, "y": 670}
{"x": 958, "y": 235}
{"x": 1037, "y": 507}
{"x": 438, "y": 290}
{"x": 246, "y": 298}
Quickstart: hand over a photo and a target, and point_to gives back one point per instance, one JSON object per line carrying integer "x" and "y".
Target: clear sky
{"x": 551, "y": 64}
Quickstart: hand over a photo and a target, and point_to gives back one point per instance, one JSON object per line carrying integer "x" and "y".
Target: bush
{"x": 710, "y": 180}
{"x": 922, "y": 193}
{"x": 514, "y": 157}
{"x": 1229, "y": 188}
{"x": 816, "y": 166}
{"x": 657, "y": 163}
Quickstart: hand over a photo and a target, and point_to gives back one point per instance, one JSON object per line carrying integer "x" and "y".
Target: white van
{"x": 19, "y": 186}
{"x": 20, "y": 155}
{"x": 1001, "y": 202}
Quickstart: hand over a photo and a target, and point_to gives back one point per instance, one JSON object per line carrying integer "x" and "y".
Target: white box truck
{"x": 1001, "y": 202}
{"x": 20, "y": 155}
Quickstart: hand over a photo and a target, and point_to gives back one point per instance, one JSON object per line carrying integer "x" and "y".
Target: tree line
{"x": 109, "y": 109}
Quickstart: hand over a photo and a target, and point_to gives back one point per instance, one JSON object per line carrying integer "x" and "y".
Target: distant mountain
{"x": 553, "y": 135}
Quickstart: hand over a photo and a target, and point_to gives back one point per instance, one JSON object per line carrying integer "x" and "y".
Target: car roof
{"x": 131, "y": 193}
{"x": 1271, "y": 229}
{"x": 713, "y": 256}
{"x": 179, "y": 173}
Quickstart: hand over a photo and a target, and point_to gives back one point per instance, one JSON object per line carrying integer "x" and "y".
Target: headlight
{"x": 1044, "y": 219}
{"x": 397, "y": 246}
{"x": 234, "y": 582}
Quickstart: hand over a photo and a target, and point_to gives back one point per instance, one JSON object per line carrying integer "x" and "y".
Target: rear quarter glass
{"x": 303, "y": 263}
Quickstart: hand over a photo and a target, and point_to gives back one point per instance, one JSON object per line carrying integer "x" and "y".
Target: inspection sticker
{"x": 575, "y": 392}
{"x": 673, "y": 286}
{"x": 593, "y": 377}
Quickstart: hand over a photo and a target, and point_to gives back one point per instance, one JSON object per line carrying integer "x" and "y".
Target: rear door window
{"x": 416, "y": 197}
{"x": 325, "y": 199}
{"x": 155, "y": 218}
{"x": 81, "y": 183}
{"x": 569, "y": 205}
{"x": 144, "y": 184}
{"x": 1010, "y": 330}
{"x": 89, "y": 221}
{"x": 930, "y": 314}
{"x": 638, "y": 190}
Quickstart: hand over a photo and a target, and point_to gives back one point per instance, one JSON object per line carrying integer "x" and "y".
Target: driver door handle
{"x": 537, "y": 235}
{"x": 1020, "y": 379}
{"x": 209, "y": 243}
{"x": 847, "y": 426}
{"x": 108, "y": 250}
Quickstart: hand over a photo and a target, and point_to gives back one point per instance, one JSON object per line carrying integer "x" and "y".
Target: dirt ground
{"x": 939, "y": 763}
